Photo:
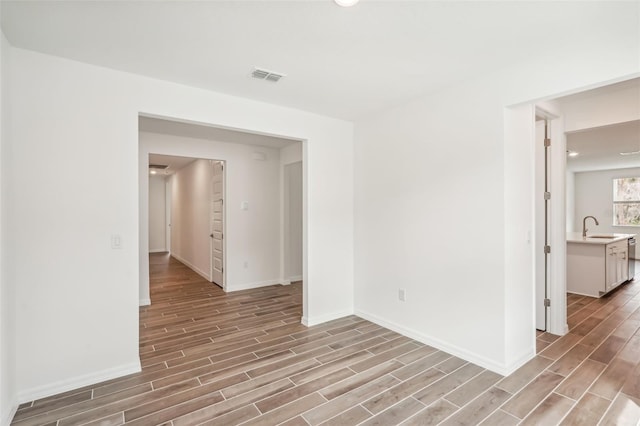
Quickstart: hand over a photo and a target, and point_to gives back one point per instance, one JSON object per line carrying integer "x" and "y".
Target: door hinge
{"x": 547, "y": 195}
{"x": 547, "y": 142}
{"x": 547, "y": 249}
{"x": 547, "y": 303}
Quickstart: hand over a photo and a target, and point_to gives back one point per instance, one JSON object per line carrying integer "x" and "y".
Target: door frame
{"x": 557, "y": 219}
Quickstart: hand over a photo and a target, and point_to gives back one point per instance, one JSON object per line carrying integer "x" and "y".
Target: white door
{"x": 217, "y": 223}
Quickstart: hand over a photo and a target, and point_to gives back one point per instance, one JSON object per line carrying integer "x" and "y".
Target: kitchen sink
{"x": 610, "y": 236}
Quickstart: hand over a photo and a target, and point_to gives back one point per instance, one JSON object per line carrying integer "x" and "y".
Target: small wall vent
{"x": 262, "y": 74}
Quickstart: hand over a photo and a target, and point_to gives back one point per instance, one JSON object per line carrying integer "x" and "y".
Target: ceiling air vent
{"x": 158, "y": 166}
{"x": 262, "y": 74}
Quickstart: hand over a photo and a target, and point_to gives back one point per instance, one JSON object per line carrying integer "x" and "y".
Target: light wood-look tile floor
{"x": 244, "y": 358}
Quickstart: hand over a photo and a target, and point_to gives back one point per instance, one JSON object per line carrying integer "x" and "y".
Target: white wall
{"x": 603, "y": 109}
{"x": 293, "y": 221}
{"x": 288, "y": 155}
{"x": 252, "y": 235}
{"x": 594, "y": 197}
{"x": 8, "y": 399}
{"x": 291, "y": 153}
{"x": 444, "y": 198}
{"x": 190, "y": 211}
{"x": 157, "y": 214}
{"x": 429, "y": 219}
{"x": 571, "y": 201}
{"x": 68, "y": 280}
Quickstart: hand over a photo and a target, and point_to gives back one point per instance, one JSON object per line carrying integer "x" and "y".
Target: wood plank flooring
{"x": 244, "y": 358}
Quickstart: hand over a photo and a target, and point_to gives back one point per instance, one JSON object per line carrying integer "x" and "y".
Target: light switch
{"x": 116, "y": 242}
{"x": 244, "y": 205}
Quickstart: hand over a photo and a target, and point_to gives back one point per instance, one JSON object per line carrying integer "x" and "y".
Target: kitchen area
{"x": 599, "y": 263}
{"x": 603, "y": 200}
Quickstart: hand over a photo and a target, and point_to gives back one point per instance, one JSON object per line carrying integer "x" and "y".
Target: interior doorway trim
{"x": 557, "y": 262}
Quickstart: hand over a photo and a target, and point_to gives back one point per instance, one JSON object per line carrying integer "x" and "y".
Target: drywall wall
{"x": 168, "y": 189}
{"x": 291, "y": 153}
{"x": 593, "y": 196}
{"x": 8, "y": 398}
{"x": 252, "y": 235}
{"x": 76, "y": 293}
{"x": 157, "y": 214}
{"x": 444, "y": 190}
{"x": 293, "y": 221}
{"x": 571, "y": 200}
{"x": 601, "y": 109}
{"x": 190, "y": 211}
{"x": 288, "y": 155}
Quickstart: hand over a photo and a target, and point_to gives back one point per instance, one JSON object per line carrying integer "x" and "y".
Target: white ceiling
{"x": 340, "y": 62}
{"x": 174, "y": 163}
{"x": 599, "y": 148}
{"x": 201, "y": 131}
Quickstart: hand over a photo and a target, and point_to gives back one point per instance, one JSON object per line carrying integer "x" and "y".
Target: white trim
{"x": 248, "y": 286}
{"x": 158, "y": 251}
{"x": 6, "y": 420}
{"x": 77, "y": 382}
{"x": 295, "y": 278}
{"x": 192, "y": 267}
{"x": 309, "y": 322}
{"x": 526, "y": 356}
{"x": 447, "y": 347}
{"x": 145, "y": 302}
{"x": 285, "y": 282}
{"x": 558, "y": 240}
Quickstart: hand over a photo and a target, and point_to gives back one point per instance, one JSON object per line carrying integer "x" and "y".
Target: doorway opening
{"x": 238, "y": 180}
{"x": 186, "y": 208}
{"x": 597, "y": 133}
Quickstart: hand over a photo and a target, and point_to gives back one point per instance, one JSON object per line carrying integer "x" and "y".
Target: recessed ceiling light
{"x": 572, "y": 153}
{"x": 346, "y": 3}
{"x": 630, "y": 153}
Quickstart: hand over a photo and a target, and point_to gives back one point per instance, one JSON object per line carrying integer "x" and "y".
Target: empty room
{"x": 255, "y": 210}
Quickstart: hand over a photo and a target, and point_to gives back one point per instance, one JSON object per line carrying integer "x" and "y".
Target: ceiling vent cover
{"x": 262, "y": 74}
{"x": 158, "y": 166}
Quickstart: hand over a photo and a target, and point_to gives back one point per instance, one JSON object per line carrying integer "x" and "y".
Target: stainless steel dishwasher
{"x": 632, "y": 258}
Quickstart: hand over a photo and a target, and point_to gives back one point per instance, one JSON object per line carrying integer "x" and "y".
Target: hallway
{"x": 223, "y": 359}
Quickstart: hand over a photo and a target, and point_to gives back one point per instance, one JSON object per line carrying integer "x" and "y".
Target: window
{"x": 626, "y": 201}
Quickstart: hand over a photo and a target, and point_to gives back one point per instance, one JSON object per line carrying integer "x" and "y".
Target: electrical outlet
{"x": 401, "y": 295}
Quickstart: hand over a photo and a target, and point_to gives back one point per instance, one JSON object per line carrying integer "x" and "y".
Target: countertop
{"x": 576, "y": 237}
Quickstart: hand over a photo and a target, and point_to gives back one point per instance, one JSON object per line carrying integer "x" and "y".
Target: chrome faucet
{"x": 584, "y": 225}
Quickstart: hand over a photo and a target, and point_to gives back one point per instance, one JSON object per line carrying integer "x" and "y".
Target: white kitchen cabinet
{"x": 616, "y": 264}
{"x": 595, "y": 266}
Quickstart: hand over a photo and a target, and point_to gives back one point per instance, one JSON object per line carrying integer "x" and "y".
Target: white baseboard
{"x": 159, "y": 251}
{"x": 8, "y": 415}
{"x": 77, "y": 382}
{"x": 145, "y": 302}
{"x": 439, "y": 344}
{"x": 195, "y": 269}
{"x": 285, "y": 282}
{"x": 311, "y": 321}
{"x": 295, "y": 278}
{"x": 248, "y": 286}
{"x": 519, "y": 362}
